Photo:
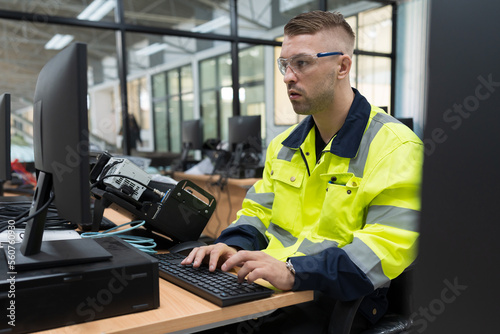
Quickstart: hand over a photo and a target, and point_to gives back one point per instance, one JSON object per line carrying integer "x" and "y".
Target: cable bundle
{"x": 144, "y": 244}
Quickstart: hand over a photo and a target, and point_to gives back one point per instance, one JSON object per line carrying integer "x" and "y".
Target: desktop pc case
{"x": 67, "y": 295}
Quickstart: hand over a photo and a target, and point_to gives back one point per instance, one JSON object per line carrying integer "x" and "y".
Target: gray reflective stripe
{"x": 286, "y": 153}
{"x": 357, "y": 164}
{"x": 406, "y": 219}
{"x": 285, "y": 237}
{"x": 308, "y": 247}
{"x": 367, "y": 261}
{"x": 264, "y": 199}
{"x": 252, "y": 221}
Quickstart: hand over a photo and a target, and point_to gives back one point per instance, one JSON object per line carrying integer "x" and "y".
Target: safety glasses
{"x": 302, "y": 63}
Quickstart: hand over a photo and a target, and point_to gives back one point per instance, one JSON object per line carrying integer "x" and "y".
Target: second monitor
{"x": 245, "y": 143}
{"x": 192, "y": 139}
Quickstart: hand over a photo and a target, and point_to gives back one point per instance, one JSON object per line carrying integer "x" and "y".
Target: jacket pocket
{"x": 288, "y": 182}
{"x": 287, "y": 173}
{"x": 342, "y": 212}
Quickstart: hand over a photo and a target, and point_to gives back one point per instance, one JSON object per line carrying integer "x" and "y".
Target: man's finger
{"x": 189, "y": 259}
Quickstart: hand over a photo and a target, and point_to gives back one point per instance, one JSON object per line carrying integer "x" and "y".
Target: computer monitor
{"x": 456, "y": 274}
{"x": 61, "y": 144}
{"x": 192, "y": 137}
{"x": 5, "y": 171}
{"x": 245, "y": 140}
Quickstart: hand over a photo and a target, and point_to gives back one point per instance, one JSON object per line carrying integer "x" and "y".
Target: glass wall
{"x": 252, "y": 91}
{"x": 217, "y": 90}
{"x": 28, "y": 46}
{"x": 216, "y": 95}
{"x": 373, "y": 62}
{"x": 177, "y": 59}
{"x": 173, "y": 102}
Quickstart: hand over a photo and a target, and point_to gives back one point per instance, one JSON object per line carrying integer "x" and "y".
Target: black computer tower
{"x": 46, "y": 298}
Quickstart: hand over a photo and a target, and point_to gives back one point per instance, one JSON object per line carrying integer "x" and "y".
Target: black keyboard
{"x": 218, "y": 287}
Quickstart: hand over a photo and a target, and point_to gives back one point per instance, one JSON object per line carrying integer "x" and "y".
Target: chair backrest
{"x": 400, "y": 294}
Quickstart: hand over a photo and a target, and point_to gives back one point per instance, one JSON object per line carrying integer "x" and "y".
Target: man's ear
{"x": 344, "y": 67}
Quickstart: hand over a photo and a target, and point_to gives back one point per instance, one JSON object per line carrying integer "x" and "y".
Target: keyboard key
{"x": 218, "y": 287}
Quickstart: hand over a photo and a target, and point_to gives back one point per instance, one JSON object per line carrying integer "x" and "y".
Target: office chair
{"x": 397, "y": 319}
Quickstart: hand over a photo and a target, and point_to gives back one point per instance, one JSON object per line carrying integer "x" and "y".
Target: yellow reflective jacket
{"x": 349, "y": 221}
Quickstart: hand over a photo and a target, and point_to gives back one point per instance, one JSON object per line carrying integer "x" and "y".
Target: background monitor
{"x": 192, "y": 134}
{"x": 5, "y": 170}
{"x": 245, "y": 139}
{"x": 192, "y": 137}
{"x": 61, "y": 144}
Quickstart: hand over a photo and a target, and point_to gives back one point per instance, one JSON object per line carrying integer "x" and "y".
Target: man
{"x": 337, "y": 208}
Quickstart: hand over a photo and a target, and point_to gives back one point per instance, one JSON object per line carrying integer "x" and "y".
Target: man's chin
{"x": 299, "y": 108}
{"x": 301, "y": 111}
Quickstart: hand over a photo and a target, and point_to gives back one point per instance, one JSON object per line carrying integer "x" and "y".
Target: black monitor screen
{"x": 246, "y": 131}
{"x": 5, "y": 171}
{"x": 245, "y": 140}
{"x": 192, "y": 134}
{"x": 61, "y": 144}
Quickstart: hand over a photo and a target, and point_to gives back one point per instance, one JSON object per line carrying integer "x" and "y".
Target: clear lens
{"x": 298, "y": 63}
{"x": 301, "y": 63}
{"x": 282, "y": 64}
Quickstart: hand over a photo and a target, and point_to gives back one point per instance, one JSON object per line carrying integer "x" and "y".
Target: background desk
{"x": 229, "y": 194}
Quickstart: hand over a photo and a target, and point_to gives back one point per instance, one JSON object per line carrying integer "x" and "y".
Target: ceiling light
{"x": 58, "y": 42}
{"x": 212, "y": 25}
{"x": 97, "y": 10}
{"x": 151, "y": 49}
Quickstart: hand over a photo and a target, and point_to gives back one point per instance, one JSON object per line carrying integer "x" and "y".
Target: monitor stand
{"x": 56, "y": 253}
{"x": 34, "y": 252}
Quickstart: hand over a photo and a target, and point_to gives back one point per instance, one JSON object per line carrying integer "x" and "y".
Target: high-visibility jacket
{"x": 348, "y": 222}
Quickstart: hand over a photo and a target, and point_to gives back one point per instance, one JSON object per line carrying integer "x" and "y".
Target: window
{"x": 217, "y": 91}
{"x": 216, "y": 95}
{"x": 373, "y": 60}
{"x": 139, "y": 108}
{"x": 252, "y": 88}
{"x": 172, "y": 103}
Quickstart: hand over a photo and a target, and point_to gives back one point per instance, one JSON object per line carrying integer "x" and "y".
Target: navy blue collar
{"x": 346, "y": 143}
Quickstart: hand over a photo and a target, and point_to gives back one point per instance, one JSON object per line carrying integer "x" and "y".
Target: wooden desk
{"x": 229, "y": 194}
{"x": 182, "y": 311}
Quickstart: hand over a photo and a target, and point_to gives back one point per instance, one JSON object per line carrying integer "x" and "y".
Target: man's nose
{"x": 290, "y": 75}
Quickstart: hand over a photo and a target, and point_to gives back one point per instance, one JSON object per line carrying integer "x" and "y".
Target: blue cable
{"x": 142, "y": 243}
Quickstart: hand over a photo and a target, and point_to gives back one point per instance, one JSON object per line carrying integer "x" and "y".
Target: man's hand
{"x": 257, "y": 264}
{"x": 217, "y": 254}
